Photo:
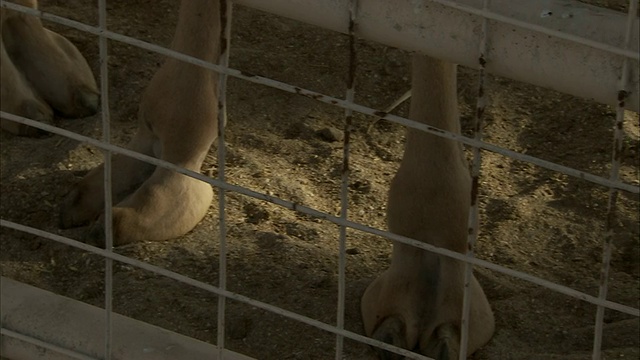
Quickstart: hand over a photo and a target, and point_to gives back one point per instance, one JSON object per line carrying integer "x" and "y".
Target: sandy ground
{"x": 533, "y": 220}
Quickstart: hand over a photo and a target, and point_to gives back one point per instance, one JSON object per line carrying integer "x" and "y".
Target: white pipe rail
{"x": 563, "y": 45}
{"x": 38, "y": 324}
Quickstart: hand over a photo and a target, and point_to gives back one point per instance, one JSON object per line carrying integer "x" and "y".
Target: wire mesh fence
{"x": 341, "y": 218}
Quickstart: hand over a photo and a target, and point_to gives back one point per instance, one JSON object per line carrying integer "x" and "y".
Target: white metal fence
{"x": 492, "y": 50}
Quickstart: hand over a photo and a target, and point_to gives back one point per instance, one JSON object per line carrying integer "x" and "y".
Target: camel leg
{"x": 168, "y": 204}
{"x": 51, "y": 63}
{"x": 179, "y": 107}
{"x": 85, "y": 202}
{"x": 429, "y": 200}
{"x": 17, "y": 97}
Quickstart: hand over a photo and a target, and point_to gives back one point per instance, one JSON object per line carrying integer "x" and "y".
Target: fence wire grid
{"x": 613, "y": 182}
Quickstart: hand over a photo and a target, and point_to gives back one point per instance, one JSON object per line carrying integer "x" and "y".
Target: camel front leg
{"x": 85, "y": 202}
{"x": 166, "y": 206}
{"x": 429, "y": 200}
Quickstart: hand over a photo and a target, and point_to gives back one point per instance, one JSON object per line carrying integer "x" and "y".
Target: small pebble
{"x": 331, "y": 134}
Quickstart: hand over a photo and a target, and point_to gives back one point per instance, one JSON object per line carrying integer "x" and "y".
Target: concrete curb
{"x": 38, "y": 324}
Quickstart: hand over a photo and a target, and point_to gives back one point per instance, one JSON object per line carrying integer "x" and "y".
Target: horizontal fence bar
{"x": 358, "y": 108}
{"x": 322, "y": 215}
{"x": 333, "y": 101}
{"x": 44, "y": 345}
{"x": 563, "y": 45}
{"x": 210, "y": 288}
{"x": 526, "y": 45}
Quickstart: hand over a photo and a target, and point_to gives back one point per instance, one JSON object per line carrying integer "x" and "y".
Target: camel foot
{"x": 76, "y": 211}
{"x": 445, "y": 345}
{"x": 95, "y": 234}
{"x": 30, "y": 109}
{"x": 391, "y": 331}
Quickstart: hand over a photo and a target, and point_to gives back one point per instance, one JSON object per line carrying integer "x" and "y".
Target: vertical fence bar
{"x": 225, "y": 44}
{"x": 344, "y": 190}
{"x": 481, "y": 103}
{"x": 108, "y": 214}
{"x": 617, "y": 150}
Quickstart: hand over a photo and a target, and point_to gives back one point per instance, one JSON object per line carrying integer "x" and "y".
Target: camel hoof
{"x": 446, "y": 346}
{"x": 68, "y": 217}
{"x": 29, "y": 131}
{"x": 85, "y": 103}
{"x": 95, "y": 235}
{"x": 38, "y": 111}
{"x": 33, "y": 109}
{"x": 72, "y": 212}
{"x": 23, "y": 130}
{"x": 391, "y": 331}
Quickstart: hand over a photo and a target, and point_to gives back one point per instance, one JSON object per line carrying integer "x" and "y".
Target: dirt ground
{"x": 533, "y": 220}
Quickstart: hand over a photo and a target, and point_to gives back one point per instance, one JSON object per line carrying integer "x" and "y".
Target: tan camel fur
{"x": 177, "y": 123}
{"x": 417, "y": 303}
{"x": 41, "y": 72}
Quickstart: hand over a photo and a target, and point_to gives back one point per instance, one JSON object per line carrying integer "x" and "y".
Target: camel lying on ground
{"x": 177, "y": 122}
{"x": 417, "y": 303}
{"x": 41, "y": 73}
